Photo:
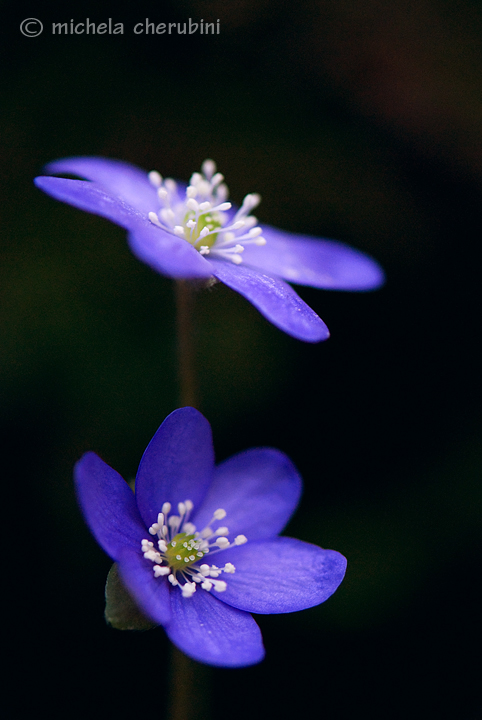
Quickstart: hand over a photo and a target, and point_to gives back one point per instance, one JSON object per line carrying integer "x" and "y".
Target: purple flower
{"x": 197, "y": 546}
{"x": 194, "y": 233}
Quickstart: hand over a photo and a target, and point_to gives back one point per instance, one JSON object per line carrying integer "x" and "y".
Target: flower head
{"x": 193, "y": 232}
{"x": 197, "y": 546}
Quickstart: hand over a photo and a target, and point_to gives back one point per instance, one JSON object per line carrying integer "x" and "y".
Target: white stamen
{"x": 155, "y": 178}
{"x": 202, "y": 212}
{"x": 209, "y": 168}
{"x": 167, "y": 216}
{"x": 190, "y": 547}
{"x": 170, "y": 184}
{"x": 216, "y": 179}
{"x": 160, "y": 570}
{"x": 238, "y": 225}
{"x": 154, "y": 219}
{"x": 240, "y": 540}
{"x": 222, "y": 192}
{"x": 219, "y": 585}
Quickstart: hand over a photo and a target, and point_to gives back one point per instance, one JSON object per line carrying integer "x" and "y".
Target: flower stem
{"x": 185, "y": 342}
{"x": 189, "y": 680}
{"x": 189, "y": 688}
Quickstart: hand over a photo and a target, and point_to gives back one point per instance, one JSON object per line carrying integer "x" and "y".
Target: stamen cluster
{"x": 202, "y": 218}
{"x": 181, "y": 547}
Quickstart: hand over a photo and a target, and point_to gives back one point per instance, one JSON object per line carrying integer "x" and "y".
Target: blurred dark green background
{"x": 355, "y": 120}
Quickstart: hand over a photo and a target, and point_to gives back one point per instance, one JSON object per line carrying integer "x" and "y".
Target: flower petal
{"x": 108, "y": 505}
{"x": 119, "y": 178}
{"x": 177, "y": 465}
{"x": 150, "y": 593}
{"x": 166, "y": 253}
{"x": 276, "y": 300}
{"x": 259, "y": 489}
{"x": 316, "y": 262}
{"x": 281, "y": 575}
{"x": 93, "y": 198}
{"x": 212, "y": 632}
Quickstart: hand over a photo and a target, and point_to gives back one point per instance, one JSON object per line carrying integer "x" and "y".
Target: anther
{"x": 209, "y": 168}
{"x": 155, "y": 178}
{"x": 154, "y": 219}
{"x": 161, "y": 570}
{"x": 170, "y": 184}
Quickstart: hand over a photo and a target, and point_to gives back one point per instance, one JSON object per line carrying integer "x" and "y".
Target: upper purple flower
{"x": 190, "y": 523}
{"x": 193, "y": 232}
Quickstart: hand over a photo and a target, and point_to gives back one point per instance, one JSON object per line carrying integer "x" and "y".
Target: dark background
{"x": 354, "y": 120}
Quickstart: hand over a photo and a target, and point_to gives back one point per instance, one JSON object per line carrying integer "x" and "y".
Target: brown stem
{"x": 189, "y": 688}
{"x": 189, "y": 680}
{"x": 185, "y": 343}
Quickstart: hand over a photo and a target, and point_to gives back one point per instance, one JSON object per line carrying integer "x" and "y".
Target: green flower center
{"x": 183, "y": 551}
{"x": 209, "y": 220}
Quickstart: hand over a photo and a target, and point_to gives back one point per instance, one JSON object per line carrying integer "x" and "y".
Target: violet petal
{"x": 108, "y": 505}
{"x": 177, "y": 465}
{"x": 259, "y": 489}
{"x": 281, "y": 575}
{"x": 316, "y": 262}
{"x": 150, "y": 593}
{"x": 166, "y": 253}
{"x": 274, "y": 299}
{"x": 212, "y": 632}
{"x": 119, "y": 178}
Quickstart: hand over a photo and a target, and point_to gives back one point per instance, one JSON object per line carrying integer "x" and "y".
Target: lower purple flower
{"x": 197, "y": 546}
